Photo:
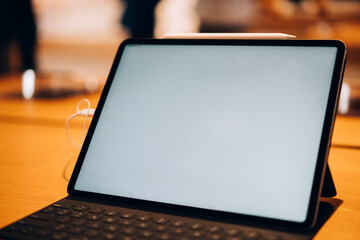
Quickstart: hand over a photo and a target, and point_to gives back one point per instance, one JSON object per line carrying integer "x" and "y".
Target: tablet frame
{"x": 321, "y": 164}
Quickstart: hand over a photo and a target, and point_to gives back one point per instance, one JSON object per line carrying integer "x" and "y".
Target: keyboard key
{"x": 48, "y": 210}
{"x": 42, "y": 233}
{"x": 78, "y": 238}
{"x": 272, "y": 237}
{"x": 10, "y": 228}
{"x": 185, "y": 238}
{"x": 78, "y": 215}
{"x": 96, "y": 210}
{"x": 127, "y": 215}
{"x": 145, "y": 234}
{"x": 234, "y": 238}
{"x": 59, "y": 227}
{"x": 75, "y": 230}
{"x": 94, "y": 225}
{"x": 128, "y": 231}
{"x": 42, "y": 216}
{"x": 111, "y": 213}
{"x": 61, "y": 219}
{"x": 63, "y": 204}
{"x": 164, "y": 236}
{"x": 63, "y": 212}
{"x": 233, "y": 232}
{"x": 196, "y": 235}
{"x": 142, "y": 225}
{"x": 109, "y": 236}
{"x": 59, "y": 236}
{"x": 78, "y": 222}
{"x": 94, "y": 217}
{"x": 125, "y": 222}
{"x": 111, "y": 228}
{"x": 126, "y": 238}
{"x": 26, "y": 230}
{"x": 179, "y": 231}
{"x": 214, "y": 229}
{"x": 91, "y": 233}
{"x": 196, "y": 226}
{"x": 252, "y": 235}
{"x": 81, "y": 208}
{"x": 160, "y": 228}
{"x": 215, "y": 237}
{"x": 34, "y": 223}
{"x": 109, "y": 219}
{"x": 144, "y": 218}
{"x": 161, "y": 220}
{"x": 179, "y": 223}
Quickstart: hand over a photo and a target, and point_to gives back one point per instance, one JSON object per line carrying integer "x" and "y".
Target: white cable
{"x": 85, "y": 113}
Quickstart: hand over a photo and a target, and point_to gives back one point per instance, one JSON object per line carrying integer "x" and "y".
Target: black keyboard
{"x": 78, "y": 220}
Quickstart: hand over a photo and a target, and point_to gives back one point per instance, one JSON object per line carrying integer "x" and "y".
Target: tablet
{"x": 228, "y": 130}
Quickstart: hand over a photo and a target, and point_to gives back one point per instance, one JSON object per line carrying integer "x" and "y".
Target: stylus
{"x": 228, "y": 36}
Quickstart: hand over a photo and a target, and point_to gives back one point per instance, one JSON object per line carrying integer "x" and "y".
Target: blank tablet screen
{"x": 228, "y": 128}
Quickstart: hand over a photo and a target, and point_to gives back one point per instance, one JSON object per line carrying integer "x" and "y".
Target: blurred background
{"x": 77, "y": 40}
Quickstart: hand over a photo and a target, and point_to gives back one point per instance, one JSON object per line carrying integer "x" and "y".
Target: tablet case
{"x": 328, "y": 189}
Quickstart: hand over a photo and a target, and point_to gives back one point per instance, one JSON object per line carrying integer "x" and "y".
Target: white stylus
{"x": 228, "y": 36}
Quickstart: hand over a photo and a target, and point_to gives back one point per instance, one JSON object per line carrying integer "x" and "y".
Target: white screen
{"x": 230, "y": 128}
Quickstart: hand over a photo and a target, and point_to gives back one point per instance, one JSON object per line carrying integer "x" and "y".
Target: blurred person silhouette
{"x": 139, "y": 17}
{"x": 17, "y": 26}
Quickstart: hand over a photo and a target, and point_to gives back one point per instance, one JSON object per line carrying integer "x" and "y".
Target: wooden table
{"x": 37, "y": 159}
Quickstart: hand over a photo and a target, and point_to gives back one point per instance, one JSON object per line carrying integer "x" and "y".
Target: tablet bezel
{"x": 330, "y": 115}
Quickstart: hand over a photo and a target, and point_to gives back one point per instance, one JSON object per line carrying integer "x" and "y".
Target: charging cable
{"x": 86, "y": 112}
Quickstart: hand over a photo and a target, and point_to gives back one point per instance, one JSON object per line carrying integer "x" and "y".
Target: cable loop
{"x": 78, "y": 113}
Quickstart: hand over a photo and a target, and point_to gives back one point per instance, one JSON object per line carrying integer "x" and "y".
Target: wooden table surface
{"x": 37, "y": 159}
